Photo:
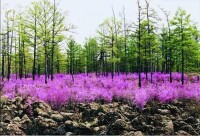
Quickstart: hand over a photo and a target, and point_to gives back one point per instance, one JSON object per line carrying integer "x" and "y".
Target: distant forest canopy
{"x": 32, "y": 41}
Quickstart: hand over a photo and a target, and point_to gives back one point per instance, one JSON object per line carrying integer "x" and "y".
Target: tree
{"x": 151, "y": 19}
{"x": 112, "y": 29}
{"x": 126, "y": 30}
{"x": 169, "y": 43}
{"x": 139, "y": 41}
{"x": 50, "y": 27}
{"x": 91, "y": 49}
{"x": 183, "y": 30}
{"x": 32, "y": 24}
{"x": 72, "y": 56}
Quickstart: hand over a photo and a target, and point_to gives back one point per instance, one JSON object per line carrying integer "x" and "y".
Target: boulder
{"x": 118, "y": 127}
{"x": 138, "y": 133}
{"x": 163, "y": 111}
{"x": 181, "y": 133}
{"x": 57, "y": 117}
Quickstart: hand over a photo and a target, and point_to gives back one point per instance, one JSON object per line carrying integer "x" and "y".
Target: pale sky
{"x": 86, "y": 15}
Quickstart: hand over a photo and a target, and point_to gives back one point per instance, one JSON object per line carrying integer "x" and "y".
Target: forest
{"x": 149, "y": 66}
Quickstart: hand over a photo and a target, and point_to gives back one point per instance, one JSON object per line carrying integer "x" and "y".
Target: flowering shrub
{"x": 90, "y": 88}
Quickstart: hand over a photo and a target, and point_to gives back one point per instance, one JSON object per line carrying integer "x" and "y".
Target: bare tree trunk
{"x": 139, "y": 40}
{"x": 3, "y": 57}
{"x": 1, "y": 45}
{"x": 112, "y": 43}
{"x": 53, "y": 42}
{"x": 182, "y": 55}
{"x": 34, "y": 48}
{"x": 16, "y": 57}
{"x": 46, "y": 59}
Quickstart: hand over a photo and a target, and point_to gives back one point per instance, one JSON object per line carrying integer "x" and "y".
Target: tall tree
{"x": 169, "y": 43}
{"x": 183, "y": 29}
{"x": 139, "y": 41}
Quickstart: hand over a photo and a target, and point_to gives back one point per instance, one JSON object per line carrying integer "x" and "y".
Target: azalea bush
{"x": 90, "y": 88}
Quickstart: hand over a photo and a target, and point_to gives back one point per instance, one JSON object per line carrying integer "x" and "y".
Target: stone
{"x": 118, "y": 127}
{"x": 69, "y": 133}
{"x": 181, "y": 132}
{"x": 138, "y": 122}
{"x": 43, "y": 106}
{"x": 60, "y": 130}
{"x": 189, "y": 129}
{"x": 190, "y": 120}
{"x": 66, "y": 114}
{"x": 169, "y": 127}
{"x": 71, "y": 123}
{"x": 71, "y": 116}
{"x": 13, "y": 129}
{"x": 96, "y": 129}
{"x": 131, "y": 133}
{"x": 178, "y": 124}
{"x": 120, "y": 124}
{"x": 46, "y": 122}
{"x": 84, "y": 130}
{"x": 16, "y": 119}
{"x": 7, "y": 118}
{"x": 109, "y": 118}
{"x": 94, "y": 106}
{"x": 25, "y": 118}
{"x": 164, "y": 111}
{"x": 57, "y": 117}
{"x": 138, "y": 133}
{"x": 40, "y": 112}
{"x": 4, "y": 100}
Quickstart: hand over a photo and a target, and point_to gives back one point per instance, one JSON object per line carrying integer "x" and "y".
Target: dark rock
{"x": 109, "y": 118}
{"x": 16, "y": 119}
{"x": 13, "y": 129}
{"x": 96, "y": 129}
{"x": 138, "y": 133}
{"x": 40, "y": 112}
{"x": 69, "y": 133}
{"x": 189, "y": 129}
{"x": 138, "y": 122}
{"x": 149, "y": 129}
{"x": 190, "y": 120}
{"x": 17, "y": 100}
{"x": 71, "y": 125}
{"x": 118, "y": 127}
{"x": 178, "y": 124}
{"x": 169, "y": 127}
{"x": 131, "y": 115}
{"x": 106, "y": 108}
{"x": 57, "y": 117}
{"x": 4, "y": 100}
{"x": 67, "y": 116}
{"x": 174, "y": 110}
{"x": 116, "y": 118}
{"x": 7, "y": 118}
{"x": 45, "y": 109}
{"x": 94, "y": 106}
{"x": 185, "y": 115}
{"x": 83, "y": 130}
{"x": 60, "y": 130}
{"x": 163, "y": 111}
{"x": 131, "y": 133}
{"x": 45, "y": 122}
{"x": 181, "y": 132}
{"x": 25, "y": 122}
{"x": 93, "y": 111}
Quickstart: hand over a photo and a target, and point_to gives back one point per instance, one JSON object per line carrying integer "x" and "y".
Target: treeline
{"x": 34, "y": 41}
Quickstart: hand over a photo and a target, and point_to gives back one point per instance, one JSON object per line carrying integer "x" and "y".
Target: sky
{"x": 86, "y": 15}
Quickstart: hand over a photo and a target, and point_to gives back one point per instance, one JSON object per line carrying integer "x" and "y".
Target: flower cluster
{"x": 91, "y": 88}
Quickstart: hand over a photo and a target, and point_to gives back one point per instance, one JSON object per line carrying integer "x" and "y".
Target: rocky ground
{"x": 180, "y": 117}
